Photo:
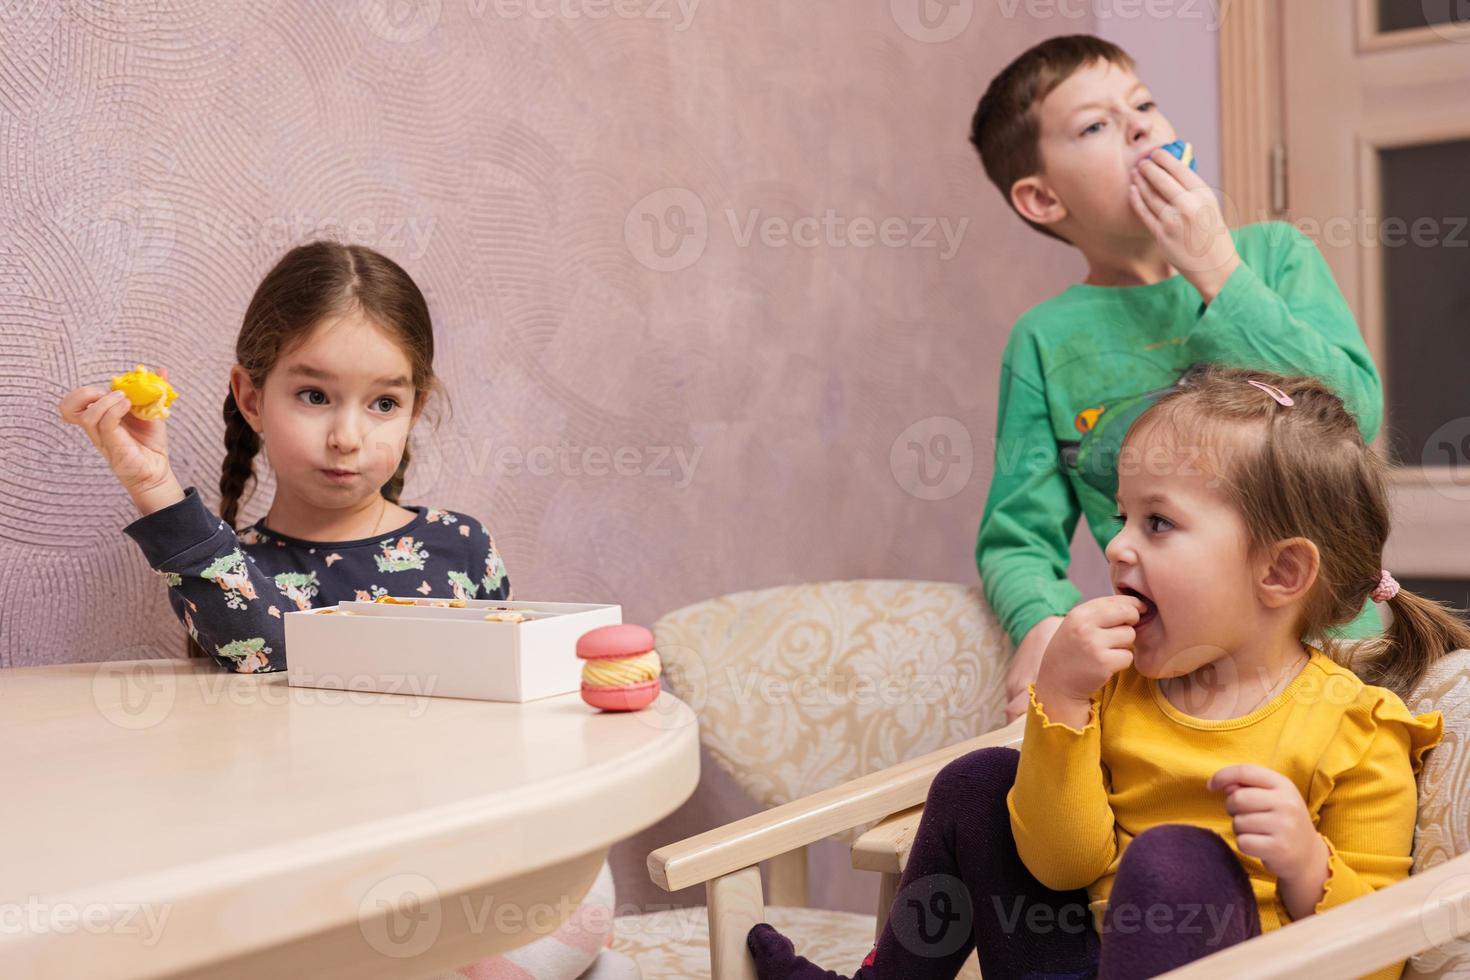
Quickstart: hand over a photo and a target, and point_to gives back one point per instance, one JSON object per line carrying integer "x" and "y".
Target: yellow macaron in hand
{"x": 149, "y": 394}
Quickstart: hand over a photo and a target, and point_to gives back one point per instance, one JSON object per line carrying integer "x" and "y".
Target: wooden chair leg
{"x": 788, "y": 879}
{"x": 734, "y": 904}
{"x": 887, "y": 891}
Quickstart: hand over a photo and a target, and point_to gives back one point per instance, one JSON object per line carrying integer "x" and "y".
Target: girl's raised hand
{"x": 1270, "y": 820}
{"x": 1094, "y": 642}
{"x": 136, "y": 449}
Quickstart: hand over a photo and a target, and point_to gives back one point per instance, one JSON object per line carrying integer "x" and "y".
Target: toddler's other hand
{"x": 1183, "y": 214}
{"x": 1270, "y": 820}
{"x": 1026, "y": 664}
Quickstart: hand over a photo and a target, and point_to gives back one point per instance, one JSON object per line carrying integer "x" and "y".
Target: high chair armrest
{"x": 761, "y": 836}
{"x": 1392, "y": 924}
{"x": 885, "y": 848}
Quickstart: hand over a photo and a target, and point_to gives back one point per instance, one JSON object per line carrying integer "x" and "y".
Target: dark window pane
{"x": 1424, "y": 244}
{"x": 1456, "y": 592}
{"x": 1402, "y": 15}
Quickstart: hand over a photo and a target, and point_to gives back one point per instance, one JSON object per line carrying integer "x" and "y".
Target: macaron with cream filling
{"x": 620, "y": 669}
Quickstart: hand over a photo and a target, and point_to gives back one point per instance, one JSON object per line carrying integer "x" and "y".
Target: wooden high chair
{"x": 716, "y": 649}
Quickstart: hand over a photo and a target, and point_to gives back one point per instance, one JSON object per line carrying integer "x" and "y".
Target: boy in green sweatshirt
{"x": 1071, "y": 137}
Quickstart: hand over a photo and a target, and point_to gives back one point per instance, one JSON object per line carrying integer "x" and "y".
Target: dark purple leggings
{"x": 1180, "y": 894}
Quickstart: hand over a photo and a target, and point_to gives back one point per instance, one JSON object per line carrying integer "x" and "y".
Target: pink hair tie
{"x": 1273, "y": 391}
{"x": 1387, "y": 587}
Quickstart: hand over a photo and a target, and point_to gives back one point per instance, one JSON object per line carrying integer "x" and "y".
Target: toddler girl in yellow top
{"x": 1198, "y": 766}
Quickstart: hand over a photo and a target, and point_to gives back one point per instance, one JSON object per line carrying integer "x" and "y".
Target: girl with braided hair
{"x": 334, "y": 365}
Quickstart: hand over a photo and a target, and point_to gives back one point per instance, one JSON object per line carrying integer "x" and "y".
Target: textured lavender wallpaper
{"x": 701, "y": 272}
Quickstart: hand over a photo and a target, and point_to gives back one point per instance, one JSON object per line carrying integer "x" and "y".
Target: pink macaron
{"x": 613, "y": 642}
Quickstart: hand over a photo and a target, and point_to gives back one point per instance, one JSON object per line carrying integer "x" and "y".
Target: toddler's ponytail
{"x": 1422, "y": 630}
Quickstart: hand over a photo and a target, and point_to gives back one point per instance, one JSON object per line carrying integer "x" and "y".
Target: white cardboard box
{"x": 454, "y": 652}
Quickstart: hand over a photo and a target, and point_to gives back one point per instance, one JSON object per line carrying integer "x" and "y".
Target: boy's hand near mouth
{"x": 1181, "y": 211}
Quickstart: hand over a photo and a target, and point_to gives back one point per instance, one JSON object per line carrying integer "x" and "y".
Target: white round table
{"x": 163, "y": 817}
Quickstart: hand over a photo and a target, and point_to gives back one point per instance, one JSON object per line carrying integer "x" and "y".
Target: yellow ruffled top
{"x": 1352, "y": 749}
{"x": 150, "y": 394}
{"x": 621, "y": 671}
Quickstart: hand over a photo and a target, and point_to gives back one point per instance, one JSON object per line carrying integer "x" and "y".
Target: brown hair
{"x": 309, "y": 284}
{"x": 1305, "y": 471}
{"x": 1006, "y": 127}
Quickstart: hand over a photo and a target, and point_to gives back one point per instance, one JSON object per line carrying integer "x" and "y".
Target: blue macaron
{"x": 1183, "y": 152}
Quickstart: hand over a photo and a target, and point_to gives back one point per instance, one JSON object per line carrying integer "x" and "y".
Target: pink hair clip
{"x": 1273, "y": 391}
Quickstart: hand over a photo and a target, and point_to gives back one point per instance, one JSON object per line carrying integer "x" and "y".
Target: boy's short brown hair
{"x": 1006, "y": 128}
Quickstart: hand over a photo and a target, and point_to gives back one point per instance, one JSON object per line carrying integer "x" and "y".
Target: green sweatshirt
{"x": 1092, "y": 347}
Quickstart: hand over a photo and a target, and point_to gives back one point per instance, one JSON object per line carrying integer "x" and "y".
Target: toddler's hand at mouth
{"x": 1094, "y": 642}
